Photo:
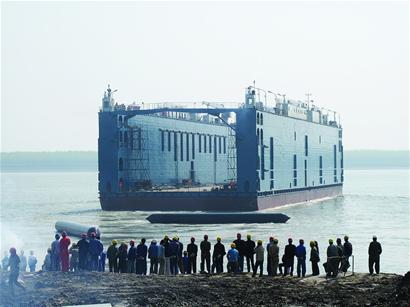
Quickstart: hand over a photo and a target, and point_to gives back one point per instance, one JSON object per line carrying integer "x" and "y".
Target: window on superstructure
{"x": 271, "y": 153}
{"x": 257, "y": 136}
{"x": 215, "y": 152}
{"x": 175, "y": 146}
{"x": 126, "y": 138}
{"x": 261, "y": 119}
{"x": 193, "y": 145}
{"x": 187, "y": 146}
{"x": 224, "y": 145}
{"x": 320, "y": 139}
{"x": 182, "y": 146}
{"x": 210, "y": 144}
{"x": 257, "y": 118}
{"x": 295, "y": 171}
{"x": 169, "y": 140}
{"x": 199, "y": 143}
{"x": 306, "y": 145}
{"x": 204, "y": 143}
{"x": 320, "y": 170}
{"x": 305, "y": 173}
{"x": 162, "y": 140}
{"x": 294, "y": 135}
{"x": 220, "y": 144}
{"x": 120, "y": 164}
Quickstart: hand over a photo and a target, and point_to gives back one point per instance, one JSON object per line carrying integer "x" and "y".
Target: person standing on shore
{"x": 332, "y": 260}
{"x": 47, "y": 261}
{"x": 14, "y": 264}
{"x": 314, "y": 258}
{"x": 218, "y": 256}
{"x": 161, "y": 257}
{"x": 274, "y": 257}
{"x": 96, "y": 248}
{"x": 289, "y": 258}
{"x": 83, "y": 249}
{"x": 205, "y": 247}
{"x": 375, "y": 250}
{"x": 73, "y": 251}
{"x": 348, "y": 251}
{"x": 192, "y": 250}
{"x": 233, "y": 257}
{"x": 240, "y": 247}
{"x": 122, "y": 258}
{"x": 23, "y": 262}
{"x": 249, "y": 251}
{"x": 179, "y": 258}
{"x": 64, "y": 255}
{"x": 174, "y": 249}
{"x": 153, "y": 257}
{"x": 141, "y": 266}
{"x": 55, "y": 253}
{"x": 131, "y": 257}
{"x": 269, "y": 266}
{"x": 112, "y": 255}
{"x": 259, "y": 252}
{"x": 167, "y": 254}
{"x": 301, "y": 257}
{"x": 340, "y": 251}
{"x": 32, "y": 262}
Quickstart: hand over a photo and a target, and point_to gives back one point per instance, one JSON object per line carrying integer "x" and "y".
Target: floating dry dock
{"x": 217, "y": 218}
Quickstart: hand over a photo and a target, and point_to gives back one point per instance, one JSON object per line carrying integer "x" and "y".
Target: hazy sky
{"x": 57, "y": 59}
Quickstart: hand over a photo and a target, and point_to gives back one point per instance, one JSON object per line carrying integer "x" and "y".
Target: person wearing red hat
{"x": 64, "y": 255}
{"x": 14, "y": 264}
{"x": 192, "y": 250}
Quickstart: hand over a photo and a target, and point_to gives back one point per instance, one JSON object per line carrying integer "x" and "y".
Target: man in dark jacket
{"x": 348, "y": 251}
{"x": 332, "y": 260}
{"x": 141, "y": 257}
{"x": 192, "y": 250}
{"x": 179, "y": 259}
{"x": 375, "y": 249}
{"x": 218, "y": 256}
{"x": 131, "y": 257}
{"x": 112, "y": 255}
{"x": 241, "y": 248}
{"x": 249, "y": 251}
{"x": 269, "y": 266}
{"x": 289, "y": 257}
{"x": 205, "y": 247}
{"x": 83, "y": 248}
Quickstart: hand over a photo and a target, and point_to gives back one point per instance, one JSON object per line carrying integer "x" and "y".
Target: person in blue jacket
{"x": 233, "y": 258}
{"x": 142, "y": 251}
{"x": 174, "y": 250}
{"x": 301, "y": 257}
{"x": 153, "y": 257}
{"x": 131, "y": 257}
{"x": 95, "y": 250}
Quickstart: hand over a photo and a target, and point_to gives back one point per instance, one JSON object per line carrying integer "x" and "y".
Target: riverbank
{"x": 59, "y": 289}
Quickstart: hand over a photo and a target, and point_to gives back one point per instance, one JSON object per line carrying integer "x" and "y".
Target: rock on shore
{"x": 59, "y": 289}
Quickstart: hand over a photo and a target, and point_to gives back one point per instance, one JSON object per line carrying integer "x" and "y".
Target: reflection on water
{"x": 375, "y": 202}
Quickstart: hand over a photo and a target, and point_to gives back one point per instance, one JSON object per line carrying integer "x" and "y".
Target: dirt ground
{"x": 59, "y": 289}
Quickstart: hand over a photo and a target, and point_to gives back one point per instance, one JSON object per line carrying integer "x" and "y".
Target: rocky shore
{"x": 60, "y": 289}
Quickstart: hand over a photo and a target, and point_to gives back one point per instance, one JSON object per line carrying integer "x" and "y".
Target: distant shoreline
{"x": 87, "y": 161}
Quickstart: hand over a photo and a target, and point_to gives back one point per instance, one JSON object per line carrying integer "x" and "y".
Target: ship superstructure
{"x": 245, "y": 157}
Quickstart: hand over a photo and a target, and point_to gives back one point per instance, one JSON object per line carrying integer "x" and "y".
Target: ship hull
{"x": 213, "y": 201}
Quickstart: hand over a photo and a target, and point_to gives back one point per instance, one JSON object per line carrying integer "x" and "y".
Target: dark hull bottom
{"x": 211, "y": 201}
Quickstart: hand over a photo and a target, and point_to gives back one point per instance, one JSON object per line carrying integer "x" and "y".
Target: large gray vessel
{"x": 211, "y": 157}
